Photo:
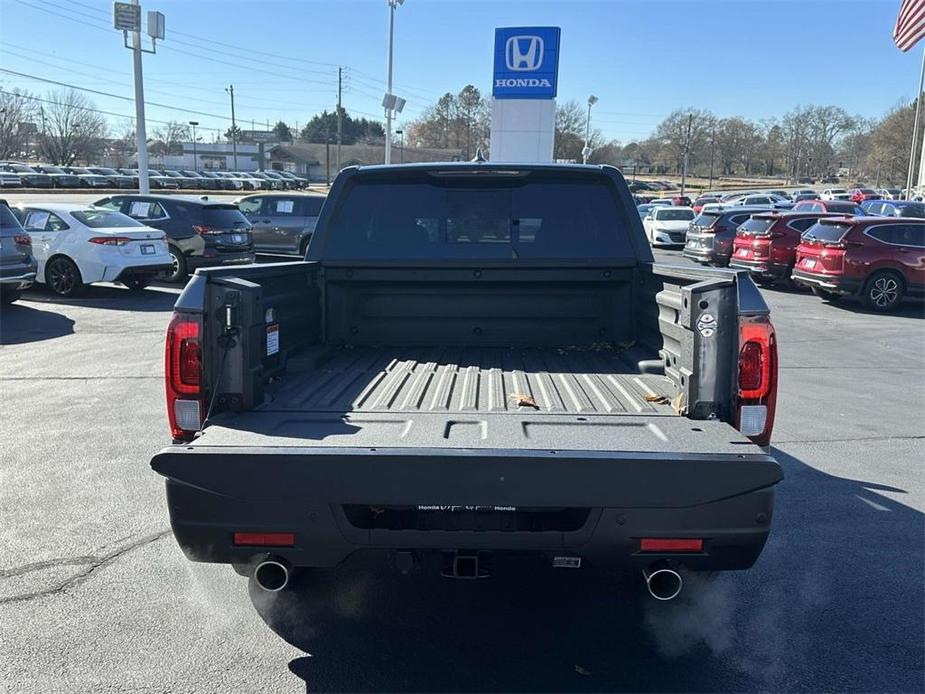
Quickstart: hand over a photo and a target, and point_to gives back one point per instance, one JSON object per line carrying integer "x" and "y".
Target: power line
{"x": 92, "y": 110}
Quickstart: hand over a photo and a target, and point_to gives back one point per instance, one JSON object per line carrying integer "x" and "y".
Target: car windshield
{"x": 104, "y": 219}
{"x": 52, "y": 169}
{"x": 674, "y": 214}
{"x": 77, "y": 170}
{"x": 826, "y": 231}
{"x": 914, "y": 209}
{"x": 106, "y": 172}
{"x": 843, "y": 206}
{"x": 22, "y": 168}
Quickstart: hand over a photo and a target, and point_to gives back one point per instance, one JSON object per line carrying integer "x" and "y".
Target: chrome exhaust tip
{"x": 663, "y": 582}
{"x": 273, "y": 574}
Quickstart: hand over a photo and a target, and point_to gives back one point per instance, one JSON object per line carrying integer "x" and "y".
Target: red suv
{"x": 879, "y": 259}
{"x": 839, "y": 206}
{"x": 859, "y": 195}
{"x": 765, "y": 245}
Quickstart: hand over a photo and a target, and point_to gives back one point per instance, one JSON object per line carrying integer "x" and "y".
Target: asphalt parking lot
{"x": 95, "y": 595}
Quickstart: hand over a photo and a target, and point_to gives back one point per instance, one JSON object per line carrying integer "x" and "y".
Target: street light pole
{"x": 194, "y": 123}
{"x": 712, "y": 153}
{"x": 687, "y": 151}
{"x": 586, "y": 150}
{"x": 141, "y": 139}
{"x": 234, "y": 129}
{"x": 388, "y": 89}
{"x": 401, "y": 134}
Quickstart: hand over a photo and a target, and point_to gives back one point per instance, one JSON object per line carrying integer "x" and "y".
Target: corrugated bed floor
{"x": 496, "y": 380}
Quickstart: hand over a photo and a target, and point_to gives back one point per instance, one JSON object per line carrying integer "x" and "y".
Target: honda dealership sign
{"x": 526, "y": 63}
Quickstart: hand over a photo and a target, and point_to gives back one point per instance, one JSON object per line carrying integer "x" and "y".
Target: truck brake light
{"x": 183, "y": 374}
{"x": 757, "y": 378}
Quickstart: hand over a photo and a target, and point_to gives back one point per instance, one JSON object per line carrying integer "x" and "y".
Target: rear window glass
{"x": 225, "y": 216}
{"x": 540, "y": 215}
{"x": 848, "y": 207}
{"x": 706, "y": 219}
{"x": 103, "y": 219}
{"x": 914, "y": 210}
{"x": 8, "y": 219}
{"x": 670, "y": 214}
{"x": 827, "y": 231}
{"x": 756, "y": 225}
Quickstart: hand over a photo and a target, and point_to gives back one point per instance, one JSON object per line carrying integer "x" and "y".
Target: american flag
{"x": 910, "y": 24}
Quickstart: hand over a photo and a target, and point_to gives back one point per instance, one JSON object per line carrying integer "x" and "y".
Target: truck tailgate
{"x": 625, "y": 461}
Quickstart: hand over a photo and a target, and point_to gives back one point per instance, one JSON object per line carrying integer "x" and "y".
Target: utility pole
{"x": 339, "y": 90}
{"x": 712, "y": 153}
{"x": 586, "y": 150}
{"x": 234, "y": 129}
{"x": 389, "y": 102}
{"x": 141, "y": 138}
{"x": 327, "y": 153}
{"x": 687, "y": 152}
{"x": 194, "y": 124}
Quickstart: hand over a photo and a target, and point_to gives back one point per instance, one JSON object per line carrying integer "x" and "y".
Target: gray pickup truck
{"x": 474, "y": 360}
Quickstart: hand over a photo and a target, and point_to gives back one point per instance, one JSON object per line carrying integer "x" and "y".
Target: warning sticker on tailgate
{"x": 272, "y": 339}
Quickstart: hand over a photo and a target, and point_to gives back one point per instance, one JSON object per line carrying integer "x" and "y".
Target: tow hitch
{"x": 468, "y": 565}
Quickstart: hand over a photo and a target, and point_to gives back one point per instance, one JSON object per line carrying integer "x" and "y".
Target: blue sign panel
{"x": 526, "y": 62}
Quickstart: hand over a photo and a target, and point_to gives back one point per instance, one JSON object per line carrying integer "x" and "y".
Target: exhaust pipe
{"x": 663, "y": 582}
{"x": 273, "y": 574}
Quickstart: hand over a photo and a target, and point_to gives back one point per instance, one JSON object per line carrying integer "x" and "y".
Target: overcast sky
{"x": 642, "y": 59}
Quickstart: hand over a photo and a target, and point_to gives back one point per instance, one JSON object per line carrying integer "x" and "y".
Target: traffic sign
{"x": 126, "y": 16}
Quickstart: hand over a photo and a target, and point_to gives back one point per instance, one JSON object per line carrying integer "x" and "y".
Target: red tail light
{"x": 110, "y": 240}
{"x": 264, "y": 539}
{"x": 200, "y": 229}
{"x": 183, "y": 375}
{"x": 757, "y": 378}
{"x": 22, "y": 240}
{"x": 663, "y": 544}
{"x": 714, "y": 229}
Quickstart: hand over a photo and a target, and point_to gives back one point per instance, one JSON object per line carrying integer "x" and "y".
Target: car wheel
{"x": 136, "y": 284}
{"x": 178, "y": 273}
{"x": 883, "y": 291}
{"x": 824, "y": 294}
{"x": 63, "y": 277}
{"x": 8, "y": 297}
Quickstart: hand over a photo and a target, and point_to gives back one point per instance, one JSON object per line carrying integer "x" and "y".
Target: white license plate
{"x": 809, "y": 262}
{"x": 237, "y": 238}
{"x": 743, "y": 252}
{"x": 148, "y": 249}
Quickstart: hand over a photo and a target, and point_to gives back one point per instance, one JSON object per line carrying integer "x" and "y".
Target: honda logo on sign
{"x": 524, "y": 53}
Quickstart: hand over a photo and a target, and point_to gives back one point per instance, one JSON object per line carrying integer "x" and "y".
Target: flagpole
{"x": 915, "y": 130}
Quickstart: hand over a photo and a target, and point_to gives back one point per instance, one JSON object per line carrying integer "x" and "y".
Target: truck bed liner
{"x": 567, "y": 380}
{"x": 440, "y": 398}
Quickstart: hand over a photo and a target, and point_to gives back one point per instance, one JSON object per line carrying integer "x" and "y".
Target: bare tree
{"x": 169, "y": 138}
{"x": 17, "y": 124}
{"x": 71, "y": 128}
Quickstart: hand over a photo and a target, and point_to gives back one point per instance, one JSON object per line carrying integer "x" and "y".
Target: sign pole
{"x": 388, "y": 89}
{"x": 915, "y": 129}
{"x": 141, "y": 138}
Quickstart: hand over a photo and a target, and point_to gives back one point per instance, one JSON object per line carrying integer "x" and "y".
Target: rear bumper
{"x": 143, "y": 272}
{"x": 241, "y": 258}
{"x": 834, "y": 284}
{"x": 725, "y": 500}
{"x": 760, "y": 268}
{"x": 17, "y": 277}
{"x": 707, "y": 256}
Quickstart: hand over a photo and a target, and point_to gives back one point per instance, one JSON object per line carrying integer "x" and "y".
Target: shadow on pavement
{"x": 833, "y": 604}
{"x": 20, "y": 324}
{"x": 910, "y": 308}
{"x": 112, "y": 297}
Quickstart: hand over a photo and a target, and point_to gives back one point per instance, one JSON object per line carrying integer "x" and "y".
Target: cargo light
{"x": 264, "y": 539}
{"x": 664, "y": 544}
{"x": 757, "y": 393}
{"x": 182, "y": 375}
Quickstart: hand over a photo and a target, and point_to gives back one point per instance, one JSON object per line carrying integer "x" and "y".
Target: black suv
{"x": 200, "y": 232}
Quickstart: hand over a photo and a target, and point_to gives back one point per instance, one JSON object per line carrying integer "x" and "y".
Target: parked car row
{"x": 21, "y": 175}
{"x": 134, "y": 239}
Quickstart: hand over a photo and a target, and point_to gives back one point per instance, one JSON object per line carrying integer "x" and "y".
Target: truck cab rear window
{"x": 478, "y": 218}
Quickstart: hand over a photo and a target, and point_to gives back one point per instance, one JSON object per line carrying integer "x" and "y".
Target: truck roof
{"x": 484, "y": 166}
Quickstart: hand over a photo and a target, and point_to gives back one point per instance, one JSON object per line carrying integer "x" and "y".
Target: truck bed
{"x": 591, "y": 398}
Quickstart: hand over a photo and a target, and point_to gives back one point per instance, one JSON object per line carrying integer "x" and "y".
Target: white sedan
{"x": 78, "y": 244}
{"x": 667, "y": 226}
